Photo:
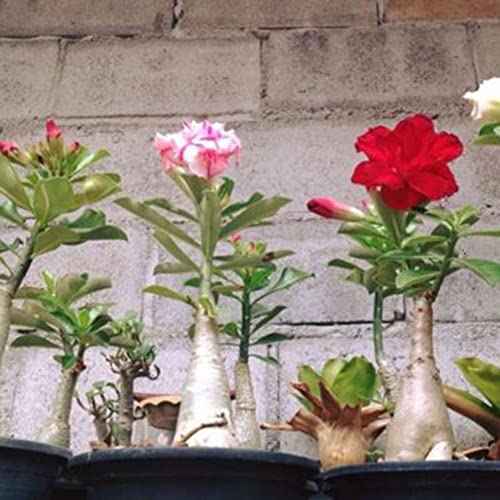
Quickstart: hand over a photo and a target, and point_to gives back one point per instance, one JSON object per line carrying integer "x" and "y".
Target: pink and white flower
{"x": 203, "y": 148}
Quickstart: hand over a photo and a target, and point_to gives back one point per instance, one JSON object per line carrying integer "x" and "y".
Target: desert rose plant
{"x": 193, "y": 159}
{"x": 406, "y": 169}
{"x": 50, "y": 318}
{"x": 250, "y": 286}
{"x": 40, "y": 187}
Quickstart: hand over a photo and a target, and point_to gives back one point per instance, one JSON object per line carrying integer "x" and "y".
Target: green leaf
{"x": 418, "y": 240}
{"x": 467, "y": 396}
{"x": 208, "y": 305}
{"x": 356, "y": 383}
{"x": 257, "y": 212}
{"x": 54, "y": 237}
{"x": 269, "y": 316}
{"x": 149, "y": 215}
{"x": 343, "y": 264}
{"x": 30, "y": 340}
{"x": 231, "y": 329}
{"x": 191, "y": 185}
{"x": 172, "y": 268}
{"x": 52, "y": 197}
{"x": 89, "y": 219}
{"x": 90, "y": 159}
{"x": 225, "y": 190}
{"x": 9, "y": 212}
{"x": 173, "y": 249}
{"x": 360, "y": 229}
{"x": 96, "y": 187}
{"x": 308, "y": 375}
{"x": 487, "y": 270}
{"x": 21, "y": 317}
{"x": 169, "y": 207}
{"x": 487, "y": 140}
{"x": 411, "y": 278}
{"x": 485, "y": 377}
{"x": 168, "y": 293}
{"x": 67, "y": 361}
{"x": 210, "y": 215}
{"x": 331, "y": 369}
{"x": 271, "y": 338}
{"x": 101, "y": 233}
{"x": 72, "y": 287}
{"x": 236, "y": 262}
{"x": 289, "y": 276}
{"x": 240, "y": 205}
{"x": 466, "y": 215}
{"x": 11, "y": 186}
{"x": 493, "y": 233}
{"x": 489, "y": 128}
{"x": 271, "y": 360}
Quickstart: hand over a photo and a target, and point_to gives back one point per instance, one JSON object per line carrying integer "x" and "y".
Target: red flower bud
{"x": 8, "y": 147}
{"x": 74, "y": 147}
{"x": 53, "y": 131}
{"x": 235, "y": 237}
{"x": 332, "y": 209}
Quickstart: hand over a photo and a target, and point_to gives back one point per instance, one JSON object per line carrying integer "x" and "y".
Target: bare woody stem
{"x": 57, "y": 430}
{"x": 125, "y": 418}
{"x": 205, "y": 395}
{"x": 9, "y": 289}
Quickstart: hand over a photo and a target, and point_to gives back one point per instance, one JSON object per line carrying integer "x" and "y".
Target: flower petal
{"x": 401, "y": 199}
{"x": 374, "y": 174}
{"x": 435, "y": 183}
{"x": 369, "y": 143}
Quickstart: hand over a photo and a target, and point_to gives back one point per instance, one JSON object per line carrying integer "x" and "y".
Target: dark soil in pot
{"x": 28, "y": 470}
{"x": 463, "y": 480}
{"x": 193, "y": 474}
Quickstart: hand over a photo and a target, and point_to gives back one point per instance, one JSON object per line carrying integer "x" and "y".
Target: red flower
{"x": 409, "y": 165}
{"x": 53, "y": 131}
{"x": 8, "y": 147}
{"x": 333, "y": 209}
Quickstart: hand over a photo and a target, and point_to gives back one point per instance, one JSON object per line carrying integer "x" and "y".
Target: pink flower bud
{"x": 234, "y": 238}
{"x": 53, "y": 131}
{"x": 332, "y": 209}
{"x": 8, "y": 148}
{"x": 74, "y": 147}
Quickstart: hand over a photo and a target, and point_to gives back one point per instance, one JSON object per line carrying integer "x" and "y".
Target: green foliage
{"x": 488, "y": 135}
{"x": 353, "y": 382}
{"x": 49, "y": 317}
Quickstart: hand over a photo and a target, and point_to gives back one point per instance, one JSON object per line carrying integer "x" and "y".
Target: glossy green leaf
{"x": 240, "y": 205}
{"x": 90, "y": 159}
{"x": 73, "y": 287}
{"x": 411, "y": 278}
{"x": 172, "y": 268}
{"x": 466, "y": 215}
{"x": 360, "y": 229}
{"x": 11, "y": 186}
{"x": 490, "y": 128}
{"x": 289, "y": 277}
{"x": 210, "y": 219}
{"x": 308, "y": 375}
{"x": 96, "y": 187}
{"x": 173, "y": 249}
{"x": 52, "y": 197}
{"x": 331, "y": 369}
{"x": 169, "y": 207}
{"x": 257, "y": 212}
{"x": 268, "y": 317}
{"x": 488, "y": 233}
{"x": 485, "y": 377}
{"x": 419, "y": 240}
{"x": 168, "y": 293}
{"x": 487, "y": 270}
{"x": 88, "y": 219}
{"x": 343, "y": 264}
{"x": 356, "y": 383}
{"x": 9, "y": 212}
{"x": 191, "y": 185}
{"x": 231, "y": 329}
{"x": 149, "y": 215}
{"x": 101, "y": 233}
{"x": 271, "y": 338}
{"x": 30, "y": 340}
{"x": 270, "y": 360}
{"x": 54, "y": 237}
{"x": 22, "y": 317}
{"x": 236, "y": 262}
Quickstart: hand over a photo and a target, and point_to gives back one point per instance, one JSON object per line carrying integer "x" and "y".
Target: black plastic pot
{"x": 28, "y": 470}
{"x": 467, "y": 480}
{"x": 193, "y": 474}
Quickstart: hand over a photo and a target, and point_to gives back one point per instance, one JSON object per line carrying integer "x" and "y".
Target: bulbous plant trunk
{"x": 57, "y": 431}
{"x": 205, "y": 413}
{"x": 245, "y": 418}
{"x": 6, "y": 296}
{"x": 420, "y": 428}
{"x": 125, "y": 418}
{"x": 102, "y": 430}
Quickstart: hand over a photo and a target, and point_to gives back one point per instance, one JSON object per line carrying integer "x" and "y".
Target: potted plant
{"x": 407, "y": 169}
{"x": 41, "y": 186}
{"x": 204, "y": 462}
{"x": 249, "y": 286}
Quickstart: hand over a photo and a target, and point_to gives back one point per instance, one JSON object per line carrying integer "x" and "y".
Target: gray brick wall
{"x": 299, "y": 81}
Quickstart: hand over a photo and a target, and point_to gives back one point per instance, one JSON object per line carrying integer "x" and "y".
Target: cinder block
{"x": 160, "y": 77}
{"x": 277, "y": 14}
{"x": 485, "y": 37}
{"x": 317, "y": 344}
{"x": 440, "y": 10}
{"x": 28, "y": 69}
{"x": 69, "y": 17}
{"x": 355, "y": 70}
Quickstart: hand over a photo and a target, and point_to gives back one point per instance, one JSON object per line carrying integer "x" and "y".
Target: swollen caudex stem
{"x": 56, "y": 431}
{"x": 421, "y": 426}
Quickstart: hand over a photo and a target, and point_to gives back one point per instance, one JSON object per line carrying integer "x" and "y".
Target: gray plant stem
{"x": 9, "y": 289}
{"x": 57, "y": 430}
{"x": 125, "y": 418}
{"x": 387, "y": 369}
{"x": 245, "y": 416}
{"x": 421, "y": 425}
{"x": 205, "y": 395}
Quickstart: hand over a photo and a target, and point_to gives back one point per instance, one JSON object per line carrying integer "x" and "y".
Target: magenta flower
{"x": 53, "y": 131}
{"x": 202, "y": 148}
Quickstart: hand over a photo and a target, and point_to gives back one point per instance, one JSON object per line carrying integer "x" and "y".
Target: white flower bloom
{"x": 486, "y": 101}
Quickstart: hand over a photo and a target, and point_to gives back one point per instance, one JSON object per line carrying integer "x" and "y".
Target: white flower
{"x": 486, "y": 101}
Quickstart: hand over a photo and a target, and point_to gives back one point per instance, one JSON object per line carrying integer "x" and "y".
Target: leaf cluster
{"x": 488, "y": 135}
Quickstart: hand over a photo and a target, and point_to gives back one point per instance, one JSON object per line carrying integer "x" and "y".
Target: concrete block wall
{"x": 299, "y": 81}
